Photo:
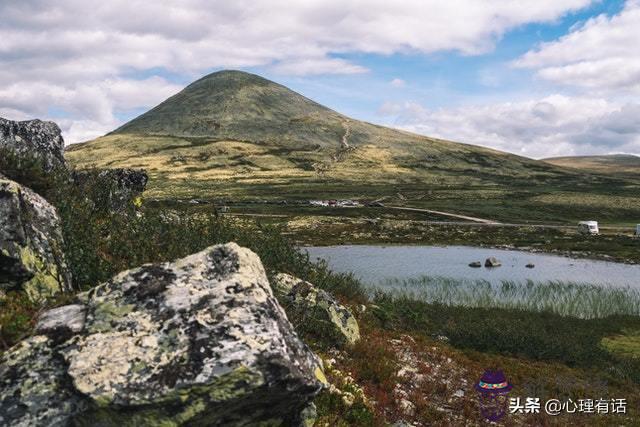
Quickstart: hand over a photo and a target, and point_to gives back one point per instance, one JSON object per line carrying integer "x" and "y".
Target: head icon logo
{"x": 492, "y": 390}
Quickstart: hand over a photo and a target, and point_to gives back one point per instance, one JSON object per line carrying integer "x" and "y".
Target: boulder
{"x": 116, "y": 186}
{"x": 200, "y": 341}
{"x": 31, "y": 257}
{"x": 475, "y": 264}
{"x": 34, "y": 139}
{"x": 131, "y": 181}
{"x": 492, "y": 262}
{"x": 317, "y": 309}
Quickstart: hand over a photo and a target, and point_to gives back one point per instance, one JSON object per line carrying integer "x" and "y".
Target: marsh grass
{"x": 582, "y": 300}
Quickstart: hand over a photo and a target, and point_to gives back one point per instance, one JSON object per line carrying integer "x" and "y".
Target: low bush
{"x": 539, "y": 336}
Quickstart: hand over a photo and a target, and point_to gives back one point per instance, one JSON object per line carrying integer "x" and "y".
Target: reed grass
{"x": 581, "y": 300}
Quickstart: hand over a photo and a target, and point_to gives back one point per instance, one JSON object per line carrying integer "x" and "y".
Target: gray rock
{"x": 34, "y": 139}
{"x": 200, "y": 341}
{"x": 131, "y": 181}
{"x": 475, "y": 264}
{"x": 119, "y": 186}
{"x": 318, "y": 309}
{"x": 492, "y": 262}
{"x": 34, "y": 388}
{"x": 308, "y": 416}
{"x": 68, "y": 319}
{"x": 31, "y": 257}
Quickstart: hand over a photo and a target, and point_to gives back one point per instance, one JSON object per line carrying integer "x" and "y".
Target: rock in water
{"x": 200, "y": 341}
{"x": 31, "y": 257}
{"x": 475, "y": 264}
{"x": 492, "y": 262}
{"x": 317, "y": 309}
{"x": 34, "y": 139}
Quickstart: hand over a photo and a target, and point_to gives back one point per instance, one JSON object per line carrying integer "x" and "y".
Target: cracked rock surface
{"x": 31, "y": 257}
{"x": 200, "y": 341}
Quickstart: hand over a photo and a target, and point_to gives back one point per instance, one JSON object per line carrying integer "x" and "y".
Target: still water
{"x": 376, "y": 265}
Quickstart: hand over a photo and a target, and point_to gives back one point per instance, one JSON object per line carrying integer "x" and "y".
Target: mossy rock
{"x": 31, "y": 256}
{"x": 317, "y": 311}
{"x": 201, "y": 341}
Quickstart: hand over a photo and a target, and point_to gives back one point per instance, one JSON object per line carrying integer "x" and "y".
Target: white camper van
{"x": 588, "y": 227}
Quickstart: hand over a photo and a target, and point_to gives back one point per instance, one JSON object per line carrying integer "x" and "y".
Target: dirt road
{"x": 468, "y": 218}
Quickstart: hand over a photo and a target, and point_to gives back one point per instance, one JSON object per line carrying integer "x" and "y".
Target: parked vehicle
{"x": 588, "y": 227}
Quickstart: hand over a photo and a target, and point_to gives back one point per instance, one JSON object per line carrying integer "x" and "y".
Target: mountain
{"x": 236, "y": 135}
{"x": 610, "y": 164}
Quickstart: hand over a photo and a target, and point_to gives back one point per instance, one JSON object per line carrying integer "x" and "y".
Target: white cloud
{"x": 311, "y": 66}
{"x": 69, "y": 54}
{"x": 397, "y": 83}
{"x": 601, "y": 55}
{"x": 550, "y": 126}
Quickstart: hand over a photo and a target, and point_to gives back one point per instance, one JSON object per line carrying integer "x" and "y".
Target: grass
{"x": 514, "y": 332}
{"x": 586, "y": 301}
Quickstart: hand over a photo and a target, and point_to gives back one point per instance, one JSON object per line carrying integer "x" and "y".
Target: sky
{"x": 538, "y": 78}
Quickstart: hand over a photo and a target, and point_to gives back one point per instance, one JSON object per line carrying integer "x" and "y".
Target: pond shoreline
{"x": 561, "y": 253}
{"x": 374, "y": 263}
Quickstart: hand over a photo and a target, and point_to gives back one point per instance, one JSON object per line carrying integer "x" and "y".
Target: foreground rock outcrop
{"x": 34, "y": 139}
{"x": 201, "y": 341}
{"x": 31, "y": 257}
{"x": 317, "y": 309}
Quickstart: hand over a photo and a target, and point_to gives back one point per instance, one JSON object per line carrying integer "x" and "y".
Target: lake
{"x": 377, "y": 265}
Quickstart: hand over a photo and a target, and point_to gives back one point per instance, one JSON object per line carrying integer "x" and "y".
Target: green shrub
{"x": 16, "y": 318}
{"x": 29, "y": 171}
{"x": 539, "y": 336}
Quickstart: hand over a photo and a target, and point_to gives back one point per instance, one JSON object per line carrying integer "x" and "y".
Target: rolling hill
{"x": 609, "y": 164}
{"x": 238, "y": 136}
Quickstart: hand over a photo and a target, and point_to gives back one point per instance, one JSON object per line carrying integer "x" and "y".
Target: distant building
{"x": 588, "y": 227}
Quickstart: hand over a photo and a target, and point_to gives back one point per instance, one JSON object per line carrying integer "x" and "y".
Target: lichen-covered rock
{"x": 119, "y": 186}
{"x": 31, "y": 257}
{"x": 317, "y": 308}
{"x": 62, "y": 321}
{"x": 127, "y": 180}
{"x": 34, "y": 388}
{"x": 34, "y": 139}
{"x": 201, "y": 341}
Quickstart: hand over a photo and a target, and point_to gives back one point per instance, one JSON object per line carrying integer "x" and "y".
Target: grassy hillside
{"x": 238, "y": 136}
{"x": 611, "y": 164}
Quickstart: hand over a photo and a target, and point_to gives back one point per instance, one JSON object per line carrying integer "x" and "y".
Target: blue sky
{"x": 538, "y": 78}
{"x": 442, "y": 79}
